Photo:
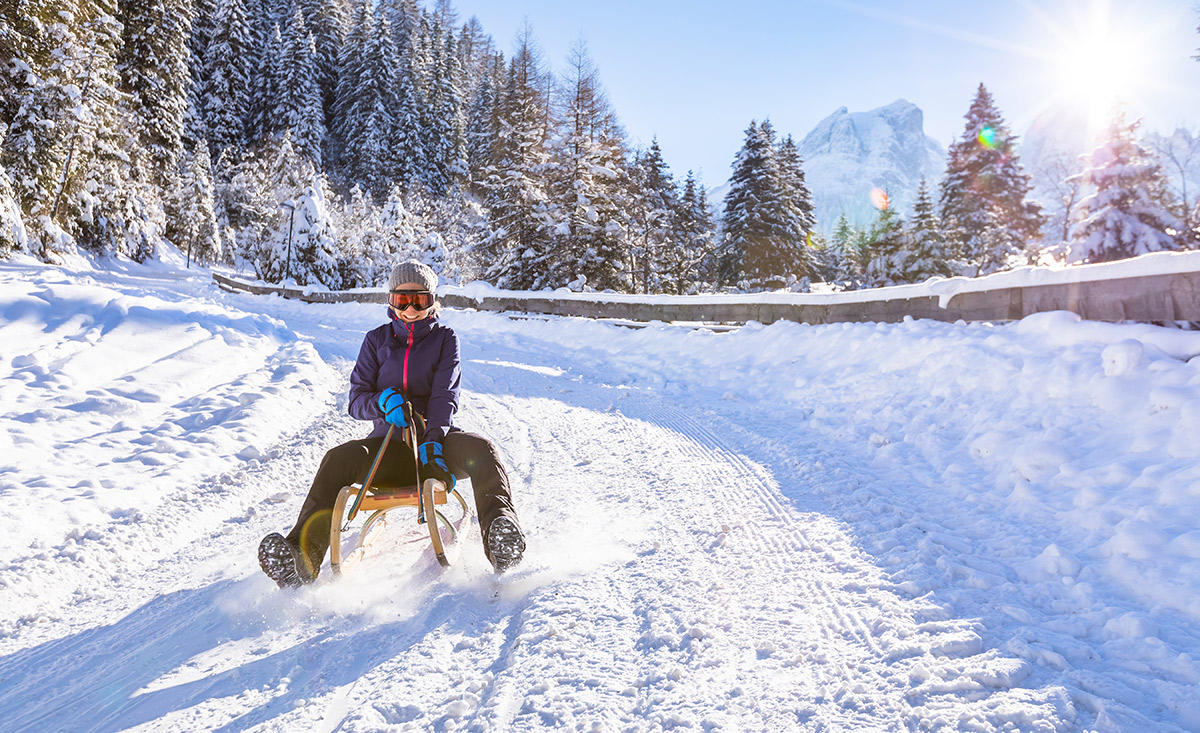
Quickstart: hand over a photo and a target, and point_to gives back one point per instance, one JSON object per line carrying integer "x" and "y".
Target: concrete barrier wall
{"x": 1167, "y": 297}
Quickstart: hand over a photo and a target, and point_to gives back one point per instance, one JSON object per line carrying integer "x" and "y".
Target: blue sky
{"x": 695, "y": 73}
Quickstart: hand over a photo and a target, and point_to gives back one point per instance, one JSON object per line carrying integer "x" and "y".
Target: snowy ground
{"x": 919, "y": 526}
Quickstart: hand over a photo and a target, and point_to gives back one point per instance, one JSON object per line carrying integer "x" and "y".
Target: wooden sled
{"x": 381, "y": 501}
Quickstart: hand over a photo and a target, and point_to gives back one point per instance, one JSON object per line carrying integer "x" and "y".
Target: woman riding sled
{"x": 413, "y": 359}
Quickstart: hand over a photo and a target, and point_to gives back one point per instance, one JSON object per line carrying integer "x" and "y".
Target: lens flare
{"x": 987, "y": 137}
{"x": 879, "y": 198}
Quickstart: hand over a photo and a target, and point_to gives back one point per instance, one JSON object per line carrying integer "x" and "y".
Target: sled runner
{"x": 381, "y": 501}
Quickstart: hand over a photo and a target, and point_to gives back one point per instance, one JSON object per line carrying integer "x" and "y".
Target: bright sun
{"x": 1100, "y": 65}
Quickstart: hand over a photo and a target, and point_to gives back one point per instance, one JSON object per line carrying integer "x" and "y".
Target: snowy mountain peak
{"x": 849, "y": 153}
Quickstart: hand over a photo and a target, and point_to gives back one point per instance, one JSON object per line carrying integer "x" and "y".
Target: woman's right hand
{"x": 391, "y": 402}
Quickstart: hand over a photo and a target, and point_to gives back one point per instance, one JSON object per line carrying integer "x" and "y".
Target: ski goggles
{"x": 416, "y": 299}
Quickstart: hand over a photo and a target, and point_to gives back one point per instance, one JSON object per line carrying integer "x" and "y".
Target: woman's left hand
{"x": 433, "y": 465}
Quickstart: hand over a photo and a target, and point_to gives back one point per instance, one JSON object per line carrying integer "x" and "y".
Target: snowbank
{"x": 117, "y": 390}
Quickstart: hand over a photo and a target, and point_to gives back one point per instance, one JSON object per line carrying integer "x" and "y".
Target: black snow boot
{"x": 281, "y": 561}
{"x": 505, "y": 544}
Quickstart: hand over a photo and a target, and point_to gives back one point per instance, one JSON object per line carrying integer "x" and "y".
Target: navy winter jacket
{"x": 422, "y": 361}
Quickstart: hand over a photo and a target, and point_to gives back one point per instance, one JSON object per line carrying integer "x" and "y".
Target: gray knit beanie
{"x": 413, "y": 272}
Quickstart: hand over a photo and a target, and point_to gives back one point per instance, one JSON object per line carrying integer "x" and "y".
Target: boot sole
{"x": 280, "y": 561}
{"x": 505, "y": 544}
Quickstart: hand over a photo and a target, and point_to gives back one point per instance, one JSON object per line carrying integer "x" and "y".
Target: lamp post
{"x": 290, "y": 205}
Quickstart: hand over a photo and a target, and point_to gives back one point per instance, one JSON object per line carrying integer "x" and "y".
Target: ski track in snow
{"x": 694, "y": 562}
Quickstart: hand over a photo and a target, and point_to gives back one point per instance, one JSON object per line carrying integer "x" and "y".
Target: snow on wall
{"x": 1153, "y": 304}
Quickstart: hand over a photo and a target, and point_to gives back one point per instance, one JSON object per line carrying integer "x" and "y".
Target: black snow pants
{"x": 467, "y": 455}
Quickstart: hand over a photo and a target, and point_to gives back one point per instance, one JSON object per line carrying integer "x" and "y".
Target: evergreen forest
{"x": 320, "y": 141}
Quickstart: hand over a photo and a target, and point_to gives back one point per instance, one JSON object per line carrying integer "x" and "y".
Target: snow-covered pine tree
{"x": 366, "y": 100}
{"x": 263, "y": 14}
{"x": 326, "y": 22}
{"x": 15, "y": 47}
{"x": 884, "y": 250}
{"x": 475, "y": 52}
{"x": 695, "y": 265}
{"x": 193, "y": 225}
{"x": 203, "y": 12}
{"x": 121, "y": 213}
{"x": 517, "y": 186}
{"x": 758, "y": 238}
{"x": 421, "y": 61}
{"x": 434, "y": 245}
{"x": 404, "y": 17}
{"x": 381, "y": 84}
{"x": 742, "y": 226}
{"x": 347, "y": 117}
{"x": 1126, "y": 214}
{"x": 231, "y": 201}
{"x": 824, "y": 258}
{"x": 454, "y": 105}
{"x": 238, "y": 196}
{"x": 798, "y": 205}
{"x": 586, "y": 181}
{"x": 654, "y": 206}
{"x": 445, "y": 151}
{"x": 310, "y": 124}
{"x": 300, "y": 90}
{"x": 193, "y": 117}
{"x": 427, "y": 56}
{"x": 439, "y": 89}
{"x": 483, "y": 123}
{"x": 843, "y": 231}
{"x": 431, "y": 85}
{"x": 407, "y": 141}
{"x": 268, "y": 115}
{"x": 925, "y": 245}
{"x": 985, "y": 185}
{"x": 154, "y": 67}
{"x": 266, "y": 19}
{"x": 229, "y": 76}
{"x": 840, "y": 260}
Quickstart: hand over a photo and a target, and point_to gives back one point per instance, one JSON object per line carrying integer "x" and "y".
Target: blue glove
{"x": 433, "y": 465}
{"x": 392, "y": 404}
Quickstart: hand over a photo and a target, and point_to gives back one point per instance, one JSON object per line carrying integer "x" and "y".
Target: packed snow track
{"x": 844, "y": 528}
